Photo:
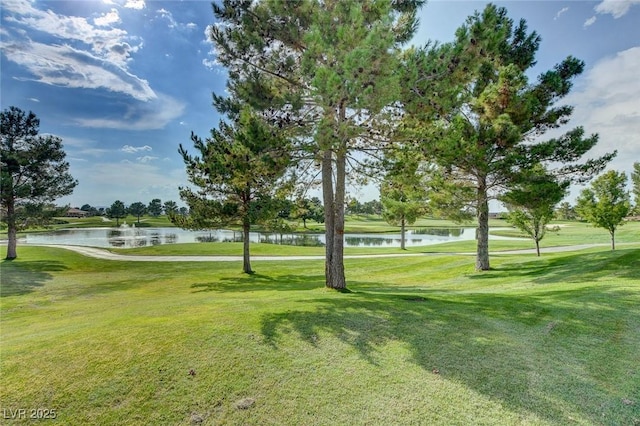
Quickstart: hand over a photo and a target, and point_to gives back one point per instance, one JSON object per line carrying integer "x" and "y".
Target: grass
{"x": 419, "y": 340}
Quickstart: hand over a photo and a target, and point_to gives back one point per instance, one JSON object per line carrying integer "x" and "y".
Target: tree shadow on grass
{"x": 21, "y": 277}
{"x": 497, "y": 345}
{"x": 260, "y": 282}
{"x": 571, "y": 268}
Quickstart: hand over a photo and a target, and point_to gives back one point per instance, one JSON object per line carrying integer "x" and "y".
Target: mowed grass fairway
{"x": 419, "y": 340}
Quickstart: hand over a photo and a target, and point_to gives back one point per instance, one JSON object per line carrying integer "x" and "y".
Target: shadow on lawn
{"x": 22, "y": 277}
{"x": 260, "y": 282}
{"x": 574, "y": 267}
{"x": 548, "y": 354}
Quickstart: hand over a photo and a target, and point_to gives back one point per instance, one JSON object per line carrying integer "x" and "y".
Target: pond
{"x": 129, "y": 236}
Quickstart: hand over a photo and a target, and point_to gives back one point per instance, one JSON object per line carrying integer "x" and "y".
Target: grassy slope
{"x": 419, "y": 340}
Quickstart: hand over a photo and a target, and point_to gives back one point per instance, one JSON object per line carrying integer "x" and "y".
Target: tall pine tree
{"x": 237, "y": 171}
{"x": 327, "y": 71}
{"x": 479, "y": 118}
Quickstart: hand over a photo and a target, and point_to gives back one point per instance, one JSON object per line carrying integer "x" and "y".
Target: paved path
{"x": 107, "y": 255}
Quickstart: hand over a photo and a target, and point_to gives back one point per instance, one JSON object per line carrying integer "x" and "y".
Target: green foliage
{"x": 479, "y": 118}
{"x": 137, "y": 209}
{"x": 33, "y": 170}
{"x": 531, "y": 202}
{"x": 566, "y": 212}
{"x": 155, "y": 207}
{"x": 402, "y": 192}
{"x": 309, "y": 209}
{"x": 606, "y": 203}
{"x": 240, "y": 175}
{"x": 170, "y": 207}
{"x": 635, "y": 180}
{"x": 326, "y": 73}
{"x": 117, "y": 211}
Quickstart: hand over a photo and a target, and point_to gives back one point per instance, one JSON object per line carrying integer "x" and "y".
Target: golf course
{"x": 419, "y": 339}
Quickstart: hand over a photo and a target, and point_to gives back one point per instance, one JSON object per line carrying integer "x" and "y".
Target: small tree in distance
{"x": 117, "y": 211}
{"x": 606, "y": 203}
{"x": 155, "y": 207}
{"x": 33, "y": 169}
{"x": 635, "y": 181}
{"x": 531, "y": 202}
{"x": 137, "y": 209}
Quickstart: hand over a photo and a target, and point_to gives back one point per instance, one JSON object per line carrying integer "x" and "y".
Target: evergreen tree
{"x": 33, "y": 169}
{"x": 635, "y": 180}
{"x": 170, "y": 207}
{"x": 117, "y": 211}
{"x": 155, "y": 207}
{"x": 402, "y": 192}
{"x": 327, "y": 72}
{"x": 137, "y": 209}
{"x": 531, "y": 202}
{"x": 238, "y": 170}
{"x": 606, "y": 203}
{"x": 480, "y": 119}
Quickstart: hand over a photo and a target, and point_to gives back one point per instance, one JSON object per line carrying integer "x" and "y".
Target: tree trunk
{"x": 613, "y": 240}
{"x": 537, "y": 247}
{"x": 328, "y": 199}
{"x": 402, "y": 231}
{"x": 12, "y": 232}
{"x": 482, "y": 253}
{"x": 338, "y": 278}
{"x": 246, "y": 257}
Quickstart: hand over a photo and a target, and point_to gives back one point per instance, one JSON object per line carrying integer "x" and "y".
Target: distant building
{"x": 73, "y": 212}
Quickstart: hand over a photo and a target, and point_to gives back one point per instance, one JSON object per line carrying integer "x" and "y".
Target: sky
{"x": 124, "y": 82}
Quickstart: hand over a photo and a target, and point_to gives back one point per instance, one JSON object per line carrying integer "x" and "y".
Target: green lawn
{"x": 419, "y": 340}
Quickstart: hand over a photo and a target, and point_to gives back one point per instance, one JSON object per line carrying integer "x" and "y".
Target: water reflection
{"x": 130, "y": 236}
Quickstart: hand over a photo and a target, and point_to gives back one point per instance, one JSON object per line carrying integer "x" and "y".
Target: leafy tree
{"x": 170, "y": 207}
{"x": 326, "y": 71}
{"x": 137, "y": 209}
{"x": 481, "y": 121}
{"x": 565, "y": 211}
{"x": 372, "y": 207}
{"x": 402, "y": 193}
{"x": 606, "y": 203}
{"x": 89, "y": 209}
{"x": 183, "y": 211}
{"x": 155, "y": 207}
{"x": 117, "y": 211}
{"x": 531, "y": 202}
{"x": 635, "y": 180}
{"x": 309, "y": 209}
{"x": 238, "y": 170}
{"x": 32, "y": 168}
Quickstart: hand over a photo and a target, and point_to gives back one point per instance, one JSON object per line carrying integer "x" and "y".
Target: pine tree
{"x": 239, "y": 170}
{"x": 33, "y": 169}
{"x": 480, "y": 120}
{"x": 327, "y": 71}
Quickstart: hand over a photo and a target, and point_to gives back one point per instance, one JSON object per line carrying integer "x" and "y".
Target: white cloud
{"x": 146, "y": 159}
{"x": 135, "y": 4}
{"x": 154, "y": 114}
{"x": 84, "y": 56}
{"x": 62, "y": 65}
{"x": 133, "y": 149}
{"x": 607, "y": 102}
{"x": 34, "y": 99}
{"x": 107, "y": 19}
{"x": 589, "y": 22}
{"x": 616, "y": 8}
{"x": 560, "y": 12}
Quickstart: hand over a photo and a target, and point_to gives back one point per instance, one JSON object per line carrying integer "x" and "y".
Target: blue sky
{"x": 123, "y": 82}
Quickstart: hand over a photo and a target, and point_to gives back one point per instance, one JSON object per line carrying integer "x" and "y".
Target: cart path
{"x": 103, "y": 254}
